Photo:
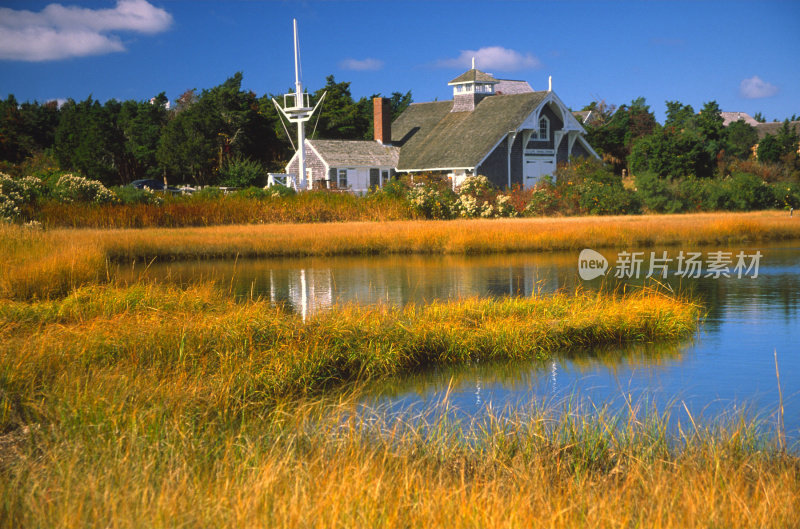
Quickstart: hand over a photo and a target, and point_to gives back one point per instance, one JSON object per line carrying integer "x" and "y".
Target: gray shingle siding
{"x": 495, "y": 167}
{"x": 555, "y": 124}
{"x": 313, "y": 162}
{"x": 578, "y": 151}
{"x": 562, "y": 153}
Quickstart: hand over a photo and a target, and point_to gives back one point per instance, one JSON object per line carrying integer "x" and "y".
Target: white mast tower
{"x": 297, "y": 109}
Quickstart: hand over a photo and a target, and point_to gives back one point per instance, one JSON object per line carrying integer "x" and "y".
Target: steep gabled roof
{"x": 472, "y": 76}
{"x": 432, "y": 137}
{"x": 344, "y": 153}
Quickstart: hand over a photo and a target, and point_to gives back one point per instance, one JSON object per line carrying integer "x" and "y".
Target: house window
{"x": 384, "y": 177}
{"x": 342, "y": 184}
{"x": 374, "y": 177}
{"x": 544, "y": 128}
{"x": 459, "y": 88}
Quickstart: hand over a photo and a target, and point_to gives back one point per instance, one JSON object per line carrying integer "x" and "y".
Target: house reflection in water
{"x": 320, "y": 285}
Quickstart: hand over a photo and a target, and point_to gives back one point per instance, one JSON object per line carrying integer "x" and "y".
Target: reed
{"x": 328, "y": 464}
{"x": 152, "y": 406}
{"x": 251, "y": 350}
{"x": 314, "y": 206}
{"x": 51, "y": 262}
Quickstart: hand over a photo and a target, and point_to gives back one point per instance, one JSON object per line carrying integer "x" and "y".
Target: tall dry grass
{"x": 49, "y": 263}
{"x": 314, "y": 206}
{"x": 150, "y": 406}
{"x": 251, "y": 350}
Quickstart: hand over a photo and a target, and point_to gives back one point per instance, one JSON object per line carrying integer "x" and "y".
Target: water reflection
{"x": 730, "y": 361}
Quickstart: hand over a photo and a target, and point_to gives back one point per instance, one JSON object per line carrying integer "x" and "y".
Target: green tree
{"x": 14, "y": 145}
{"x": 613, "y": 138}
{"x": 340, "y": 117}
{"x": 779, "y": 146}
{"x": 667, "y": 153}
{"x": 740, "y": 138}
{"x": 142, "y": 124}
{"x": 87, "y": 140}
{"x": 679, "y": 116}
{"x": 40, "y": 123}
{"x": 207, "y": 130}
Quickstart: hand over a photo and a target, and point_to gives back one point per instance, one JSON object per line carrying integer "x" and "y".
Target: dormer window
{"x": 544, "y": 129}
{"x": 459, "y": 88}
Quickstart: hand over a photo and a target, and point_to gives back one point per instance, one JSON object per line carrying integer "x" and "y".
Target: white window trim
{"x": 539, "y": 129}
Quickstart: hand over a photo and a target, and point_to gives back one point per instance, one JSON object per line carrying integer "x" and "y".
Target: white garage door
{"x": 536, "y": 168}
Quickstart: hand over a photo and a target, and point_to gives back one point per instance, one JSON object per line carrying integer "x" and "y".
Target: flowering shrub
{"x": 475, "y": 198}
{"x": 72, "y": 188}
{"x": 467, "y": 206}
{"x": 15, "y": 193}
{"x": 431, "y": 202}
{"x": 504, "y": 207}
{"x": 543, "y": 201}
{"x": 475, "y": 186}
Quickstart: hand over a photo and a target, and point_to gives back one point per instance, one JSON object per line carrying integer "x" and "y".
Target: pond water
{"x": 729, "y": 365}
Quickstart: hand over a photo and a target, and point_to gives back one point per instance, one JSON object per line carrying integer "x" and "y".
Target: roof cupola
{"x": 470, "y": 87}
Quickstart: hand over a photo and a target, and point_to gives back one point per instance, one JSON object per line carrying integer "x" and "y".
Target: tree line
{"x": 688, "y": 144}
{"x": 202, "y": 138}
{"x": 229, "y": 136}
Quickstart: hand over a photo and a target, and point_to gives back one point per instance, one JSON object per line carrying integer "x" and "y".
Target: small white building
{"x": 351, "y": 165}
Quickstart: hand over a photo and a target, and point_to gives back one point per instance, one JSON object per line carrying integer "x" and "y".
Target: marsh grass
{"x": 152, "y": 406}
{"x": 326, "y": 463}
{"x": 253, "y": 350}
{"x": 313, "y": 206}
{"x": 51, "y": 263}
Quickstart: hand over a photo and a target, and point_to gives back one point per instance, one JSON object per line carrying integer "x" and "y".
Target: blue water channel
{"x": 726, "y": 369}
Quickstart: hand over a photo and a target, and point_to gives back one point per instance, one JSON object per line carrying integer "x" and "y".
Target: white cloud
{"x": 59, "y": 32}
{"x": 361, "y": 65}
{"x": 493, "y": 58}
{"x": 756, "y": 88}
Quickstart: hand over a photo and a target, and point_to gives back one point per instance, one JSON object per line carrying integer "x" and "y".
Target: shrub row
{"x": 583, "y": 188}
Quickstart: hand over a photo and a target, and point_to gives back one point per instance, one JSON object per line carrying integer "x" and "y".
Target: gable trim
{"x": 324, "y": 162}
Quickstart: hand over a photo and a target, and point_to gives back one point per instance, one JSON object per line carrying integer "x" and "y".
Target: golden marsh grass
{"x": 50, "y": 263}
{"x": 159, "y": 407}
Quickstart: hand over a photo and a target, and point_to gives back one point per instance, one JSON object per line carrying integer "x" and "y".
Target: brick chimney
{"x": 382, "y": 120}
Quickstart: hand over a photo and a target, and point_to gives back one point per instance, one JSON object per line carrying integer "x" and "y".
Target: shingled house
{"x": 501, "y": 129}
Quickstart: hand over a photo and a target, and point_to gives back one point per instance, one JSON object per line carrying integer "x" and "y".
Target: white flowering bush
{"x": 16, "y": 193}
{"x": 72, "y": 188}
{"x": 476, "y": 198}
{"x": 467, "y": 206}
{"x": 431, "y": 202}
{"x": 475, "y": 186}
{"x": 503, "y": 206}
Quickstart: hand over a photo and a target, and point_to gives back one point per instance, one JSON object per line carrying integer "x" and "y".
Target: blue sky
{"x": 744, "y": 55}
